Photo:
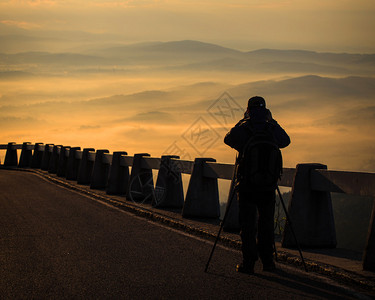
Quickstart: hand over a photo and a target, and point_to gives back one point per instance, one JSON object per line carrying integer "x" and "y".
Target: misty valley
{"x": 146, "y": 96}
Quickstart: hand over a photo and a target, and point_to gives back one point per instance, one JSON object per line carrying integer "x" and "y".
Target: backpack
{"x": 260, "y": 164}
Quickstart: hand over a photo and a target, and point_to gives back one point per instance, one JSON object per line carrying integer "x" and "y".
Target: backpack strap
{"x": 249, "y": 126}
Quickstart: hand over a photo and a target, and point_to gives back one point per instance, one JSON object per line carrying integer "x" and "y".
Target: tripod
{"x": 231, "y": 194}
{"x": 232, "y": 191}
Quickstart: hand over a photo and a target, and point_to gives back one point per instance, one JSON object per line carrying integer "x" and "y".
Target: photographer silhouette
{"x": 257, "y": 138}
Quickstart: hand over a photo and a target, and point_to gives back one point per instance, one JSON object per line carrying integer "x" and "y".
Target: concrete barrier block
{"x": 11, "y": 158}
{"x": 202, "y": 197}
{"x": 85, "y": 167}
{"x": 118, "y": 180}
{"x": 36, "y": 161}
{"x": 310, "y": 212}
{"x": 63, "y": 161}
{"x": 73, "y": 164}
{"x": 26, "y": 156}
{"x": 100, "y": 171}
{"x": 141, "y": 185}
{"x": 54, "y": 160}
{"x": 46, "y": 156}
{"x": 168, "y": 189}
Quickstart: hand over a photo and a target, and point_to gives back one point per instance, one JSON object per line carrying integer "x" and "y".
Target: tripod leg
{"x": 231, "y": 196}
{"x": 274, "y": 243}
{"x": 221, "y": 228}
{"x": 291, "y": 229}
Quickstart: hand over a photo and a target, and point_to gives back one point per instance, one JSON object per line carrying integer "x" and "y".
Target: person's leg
{"x": 266, "y": 208}
{"x": 248, "y": 220}
{"x": 248, "y": 224}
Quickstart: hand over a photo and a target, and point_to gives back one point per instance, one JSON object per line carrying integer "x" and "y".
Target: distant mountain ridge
{"x": 176, "y": 46}
{"x": 193, "y": 45}
{"x": 189, "y": 55}
{"x": 293, "y": 55}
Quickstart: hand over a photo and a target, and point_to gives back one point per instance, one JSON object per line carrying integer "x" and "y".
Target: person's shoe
{"x": 245, "y": 268}
{"x": 269, "y": 266}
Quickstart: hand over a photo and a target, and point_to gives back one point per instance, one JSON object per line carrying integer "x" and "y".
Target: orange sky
{"x": 335, "y": 25}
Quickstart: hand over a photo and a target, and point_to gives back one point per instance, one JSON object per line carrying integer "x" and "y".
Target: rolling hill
{"x": 195, "y": 56}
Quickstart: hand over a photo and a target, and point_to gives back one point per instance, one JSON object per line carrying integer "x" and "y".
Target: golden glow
{"x": 146, "y": 105}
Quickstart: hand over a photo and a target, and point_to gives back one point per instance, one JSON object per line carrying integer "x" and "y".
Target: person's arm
{"x": 282, "y": 138}
{"x": 235, "y": 137}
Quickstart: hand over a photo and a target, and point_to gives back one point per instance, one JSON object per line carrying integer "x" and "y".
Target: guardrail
{"x": 310, "y": 206}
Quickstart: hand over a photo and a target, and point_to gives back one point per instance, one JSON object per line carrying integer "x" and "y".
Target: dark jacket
{"x": 259, "y": 119}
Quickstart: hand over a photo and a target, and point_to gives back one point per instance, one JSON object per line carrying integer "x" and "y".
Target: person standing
{"x": 256, "y": 203}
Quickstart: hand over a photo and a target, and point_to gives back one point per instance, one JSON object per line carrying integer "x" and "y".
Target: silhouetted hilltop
{"x": 185, "y": 46}
{"x": 315, "y": 85}
{"x": 166, "y": 52}
{"x": 293, "y": 55}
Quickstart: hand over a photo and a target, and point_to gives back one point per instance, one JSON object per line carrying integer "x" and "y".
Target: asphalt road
{"x": 56, "y": 243}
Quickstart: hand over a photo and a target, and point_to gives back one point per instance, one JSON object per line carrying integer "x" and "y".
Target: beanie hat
{"x": 256, "y": 101}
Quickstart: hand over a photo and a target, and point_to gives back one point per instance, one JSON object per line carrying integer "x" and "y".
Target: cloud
{"x": 25, "y": 124}
{"x": 152, "y": 117}
{"x": 34, "y": 2}
{"x": 362, "y": 117}
{"x": 89, "y": 127}
{"x": 20, "y": 24}
{"x": 125, "y": 3}
{"x": 15, "y": 75}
